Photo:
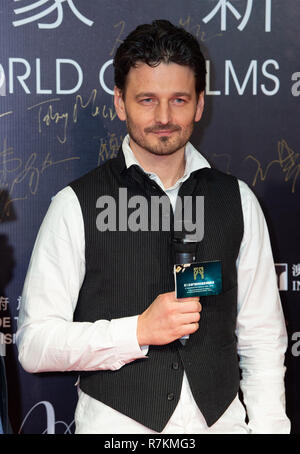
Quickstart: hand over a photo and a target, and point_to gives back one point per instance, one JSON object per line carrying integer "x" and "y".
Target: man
{"x": 101, "y": 300}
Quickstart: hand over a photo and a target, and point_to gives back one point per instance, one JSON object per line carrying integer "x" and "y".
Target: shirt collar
{"x": 193, "y": 159}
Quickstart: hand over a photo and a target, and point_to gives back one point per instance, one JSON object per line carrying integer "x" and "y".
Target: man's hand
{"x": 168, "y": 319}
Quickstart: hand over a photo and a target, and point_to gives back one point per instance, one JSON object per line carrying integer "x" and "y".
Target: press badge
{"x": 198, "y": 279}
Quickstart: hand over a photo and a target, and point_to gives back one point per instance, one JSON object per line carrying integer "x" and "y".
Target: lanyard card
{"x": 198, "y": 279}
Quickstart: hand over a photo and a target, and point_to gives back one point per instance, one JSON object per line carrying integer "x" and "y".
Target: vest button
{"x": 170, "y": 396}
{"x": 175, "y": 366}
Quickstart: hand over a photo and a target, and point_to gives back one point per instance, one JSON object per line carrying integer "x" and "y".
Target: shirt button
{"x": 175, "y": 366}
{"x": 170, "y": 396}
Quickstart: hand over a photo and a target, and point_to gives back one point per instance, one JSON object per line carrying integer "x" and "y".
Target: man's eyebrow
{"x": 145, "y": 95}
{"x": 182, "y": 94}
{"x": 177, "y": 94}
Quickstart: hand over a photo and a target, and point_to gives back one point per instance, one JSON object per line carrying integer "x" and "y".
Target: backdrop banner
{"x": 57, "y": 122}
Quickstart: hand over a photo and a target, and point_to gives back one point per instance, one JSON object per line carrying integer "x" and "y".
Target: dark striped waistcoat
{"x": 126, "y": 270}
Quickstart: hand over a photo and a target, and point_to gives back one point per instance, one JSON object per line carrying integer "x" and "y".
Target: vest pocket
{"x": 218, "y": 320}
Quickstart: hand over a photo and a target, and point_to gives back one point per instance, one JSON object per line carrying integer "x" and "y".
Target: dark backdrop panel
{"x": 57, "y": 121}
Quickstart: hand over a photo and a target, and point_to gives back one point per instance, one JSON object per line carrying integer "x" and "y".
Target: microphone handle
{"x": 184, "y": 253}
{"x": 181, "y": 258}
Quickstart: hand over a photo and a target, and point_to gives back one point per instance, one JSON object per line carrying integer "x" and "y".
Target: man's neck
{"x": 168, "y": 168}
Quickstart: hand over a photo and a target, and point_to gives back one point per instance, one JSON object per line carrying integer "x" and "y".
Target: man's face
{"x": 160, "y": 107}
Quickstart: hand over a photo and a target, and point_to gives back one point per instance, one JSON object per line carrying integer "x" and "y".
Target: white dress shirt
{"x": 49, "y": 340}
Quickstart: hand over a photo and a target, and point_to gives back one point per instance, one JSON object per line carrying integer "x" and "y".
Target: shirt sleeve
{"x": 47, "y": 338}
{"x": 261, "y": 330}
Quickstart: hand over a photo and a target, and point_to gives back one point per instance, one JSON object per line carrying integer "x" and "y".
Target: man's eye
{"x": 147, "y": 100}
{"x": 179, "y": 101}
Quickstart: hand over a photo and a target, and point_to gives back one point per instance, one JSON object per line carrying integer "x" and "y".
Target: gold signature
{"x": 14, "y": 171}
{"x": 196, "y": 29}
{"x": 287, "y": 161}
{"x": 118, "y": 40}
{"x": 108, "y": 147}
{"x": 48, "y": 114}
{"x": 6, "y": 113}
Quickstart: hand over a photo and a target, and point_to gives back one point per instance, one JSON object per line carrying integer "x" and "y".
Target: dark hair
{"x": 159, "y": 42}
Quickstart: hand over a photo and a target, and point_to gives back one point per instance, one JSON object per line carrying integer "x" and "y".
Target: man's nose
{"x": 163, "y": 113}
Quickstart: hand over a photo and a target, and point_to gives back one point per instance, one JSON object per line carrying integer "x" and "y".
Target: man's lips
{"x": 163, "y": 131}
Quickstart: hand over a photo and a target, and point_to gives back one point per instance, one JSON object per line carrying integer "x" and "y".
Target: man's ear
{"x": 119, "y": 104}
{"x": 200, "y": 106}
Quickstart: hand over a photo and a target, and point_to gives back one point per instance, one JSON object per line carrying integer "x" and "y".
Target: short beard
{"x": 165, "y": 147}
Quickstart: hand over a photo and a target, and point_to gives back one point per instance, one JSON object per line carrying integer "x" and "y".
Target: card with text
{"x": 198, "y": 279}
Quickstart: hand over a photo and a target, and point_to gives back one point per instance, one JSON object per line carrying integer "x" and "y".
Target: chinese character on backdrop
{"x": 223, "y": 6}
{"x": 296, "y": 270}
{"x": 36, "y": 13}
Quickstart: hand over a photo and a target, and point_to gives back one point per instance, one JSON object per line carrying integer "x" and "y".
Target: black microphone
{"x": 184, "y": 252}
{"x": 188, "y": 229}
{"x": 184, "y": 243}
